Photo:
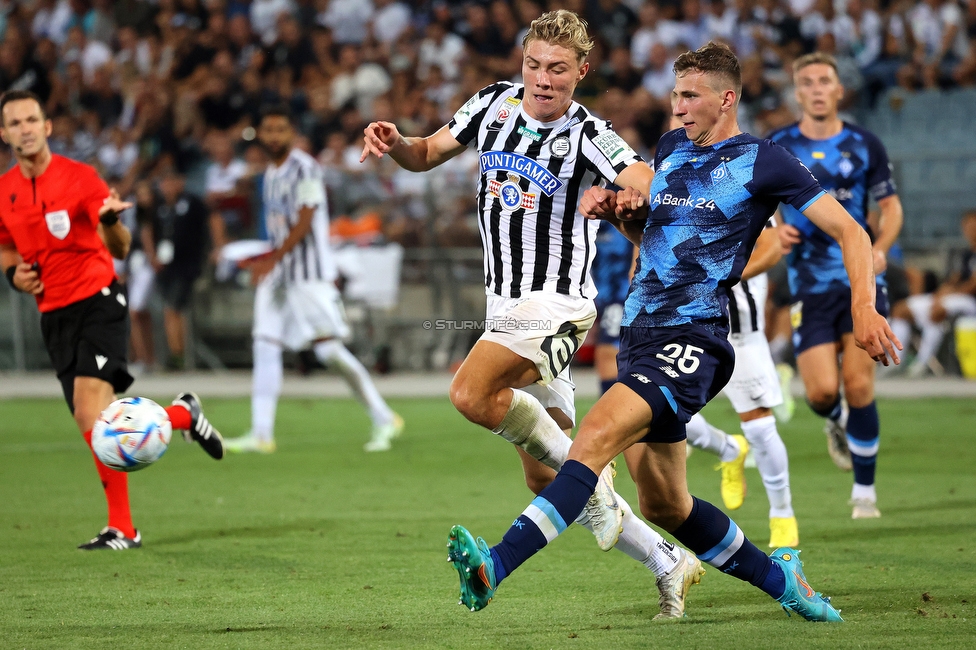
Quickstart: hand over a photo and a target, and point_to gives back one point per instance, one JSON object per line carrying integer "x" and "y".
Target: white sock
{"x": 932, "y": 335}
{"x": 335, "y": 355}
{"x": 644, "y": 544}
{"x": 778, "y": 347}
{"x": 265, "y": 388}
{"x": 772, "y": 463}
{"x": 864, "y": 492}
{"x": 902, "y": 329}
{"x": 527, "y": 425}
{"x": 702, "y": 435}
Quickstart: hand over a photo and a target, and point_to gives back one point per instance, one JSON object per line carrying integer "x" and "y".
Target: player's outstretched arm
{"x": 413, "y": 154}
{"x": 113, "y": 232}
{"x": 871, "y": 331}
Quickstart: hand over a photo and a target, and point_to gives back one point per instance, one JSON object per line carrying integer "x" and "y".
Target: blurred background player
{"x": 931, "y": 312}
{"x": 612, "y": 269}
{"x": 297, "y": 303}
{"x": 851, "y": 164}
{"x": 59, "y": 231}
{"x": 754, "y": 390}
{"x": 540, "y": 150}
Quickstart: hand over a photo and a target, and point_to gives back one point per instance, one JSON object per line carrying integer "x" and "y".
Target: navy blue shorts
{"x": 676, "y": 370}
{"x": 825, "y": 317}
{"x": 609, "y": 317}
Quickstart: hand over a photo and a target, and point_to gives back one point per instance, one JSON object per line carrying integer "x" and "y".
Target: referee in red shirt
{"x": 59, "y": 230}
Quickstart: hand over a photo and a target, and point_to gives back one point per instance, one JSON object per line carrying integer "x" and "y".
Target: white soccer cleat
{"x": 673, "y": 587}
{"x": 383, "y": 436}
{"x": 249, "y": 443}
{"x": 836, "y": 432}
{"x": 864, "y": 509}
{"x": 602, "y": 515}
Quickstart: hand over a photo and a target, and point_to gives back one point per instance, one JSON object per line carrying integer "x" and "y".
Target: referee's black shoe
{"x": 113, "y": 540}
{"x": 200, "y": 428}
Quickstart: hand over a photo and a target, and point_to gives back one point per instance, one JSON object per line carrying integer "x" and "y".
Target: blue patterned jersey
{"x": 708, "y": 206}
{"x": 611, "y": 268}
{"x": 852, "y": 166}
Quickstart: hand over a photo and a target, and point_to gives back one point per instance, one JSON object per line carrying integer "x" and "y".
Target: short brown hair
{"x": 16, "y": 96}
{"x": 712, "y": 58}
{"x": 561, "y": 27}
{"x": 812, "y": 59}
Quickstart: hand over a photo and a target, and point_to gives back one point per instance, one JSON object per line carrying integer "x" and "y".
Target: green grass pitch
{"x": 323, "y": 546}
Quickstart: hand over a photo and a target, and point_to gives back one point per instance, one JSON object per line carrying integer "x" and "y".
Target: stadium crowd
{"x": 162, "y": 96}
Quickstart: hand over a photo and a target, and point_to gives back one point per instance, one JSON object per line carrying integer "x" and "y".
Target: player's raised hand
{"x": 28, "y": 279}
{"x": 598, "y": 203}
{"x": 630, "y": 205}
{"x": 872, "y": 333}
{"x": 789, "y": 236}
{"x": 379, "y": 138}
{"x": 113, "y": 204}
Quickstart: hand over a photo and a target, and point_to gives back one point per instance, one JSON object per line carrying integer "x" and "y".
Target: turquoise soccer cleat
{"x": 799, "y": 595}
{"x": 472, "y": 560}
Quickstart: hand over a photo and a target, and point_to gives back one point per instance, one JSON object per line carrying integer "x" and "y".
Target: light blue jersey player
{"x": 712, "y": 193}
{"x": 611, "y": 274}
{"x": 851, "y": 164}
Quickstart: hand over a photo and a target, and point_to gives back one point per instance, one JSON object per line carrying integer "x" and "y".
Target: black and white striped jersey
{"x": 298, "y": 182}
{"x": 532, "y": 177}
{"x": 747, "y": 301}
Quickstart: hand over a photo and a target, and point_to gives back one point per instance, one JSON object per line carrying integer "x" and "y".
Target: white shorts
{"x": 754, "y": 383}
{"x": 140, "y": 281}
{"x": 547, "y": 329}
{"x": 297, "y": 314}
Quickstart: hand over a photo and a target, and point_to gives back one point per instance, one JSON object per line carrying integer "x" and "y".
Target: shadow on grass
{"x": 269, "y": 531}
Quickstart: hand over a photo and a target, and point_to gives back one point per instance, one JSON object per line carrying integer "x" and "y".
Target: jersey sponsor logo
{"x": 560, "y": 147}
{"x": 683, "y": 201}
{"x": 511, "y": 195}
{"x": 58, "y": 223}
{"x": 719, "y": 173}
{"x": 529, "y": 133}
{"x": 665, "y": 166}
{"x": 492, "y": 161}
{"x": 506, "y": 109}
{"x": 613, "y": 147}
{"x": 845, "y": 166}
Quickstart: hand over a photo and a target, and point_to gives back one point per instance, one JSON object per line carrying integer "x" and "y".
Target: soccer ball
{"x": 131, "y": 433}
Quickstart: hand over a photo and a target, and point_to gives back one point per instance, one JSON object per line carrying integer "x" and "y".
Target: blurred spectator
{"x": 348, "y": 20}
{"x": 226, "y": 193}
{"x": 357, "y": 83}
{"x": 652, "y": 31}
{"x": 292, "y": 50}
{"x": 102, "y": 98}
{"x": 20, "y": 71}
{"x": 140, "y": 280}
{"x": 264, "y": 17}
{"x": 441, "y": 48}
{"x": 176, "y": 250}
{"x": 91, "y": 54}
{"x": 939, "y": 31}
{"x": 613, "y": 20}
{"x": 117, "y": 155}
{"x": 659, "y": 78}
{"x": 619, "y": 72}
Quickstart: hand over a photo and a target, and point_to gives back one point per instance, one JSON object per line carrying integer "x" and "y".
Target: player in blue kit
{"x": 611, "y": 273}
{"x": 713, "y": 190}
{"x": 852, "y": 165}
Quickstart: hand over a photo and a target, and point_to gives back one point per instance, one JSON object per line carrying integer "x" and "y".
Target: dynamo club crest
{"x": 719, "y": 173}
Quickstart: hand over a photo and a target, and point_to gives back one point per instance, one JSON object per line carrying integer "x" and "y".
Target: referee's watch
{"x": 109, "y": 219}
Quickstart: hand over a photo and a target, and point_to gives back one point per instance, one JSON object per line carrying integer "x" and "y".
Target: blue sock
{"x": 863, "y": 435}
{"x": 832, "y": 412}
{"x": 715, "y": 539}
{"x": 547, "y": 516}
{"x": 605, "y": 385}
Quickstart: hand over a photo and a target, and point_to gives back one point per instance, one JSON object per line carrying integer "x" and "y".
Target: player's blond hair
{"x": 716, "y": 59}
{"x": 561, "y": 27}
{"x": 813, "y": 59}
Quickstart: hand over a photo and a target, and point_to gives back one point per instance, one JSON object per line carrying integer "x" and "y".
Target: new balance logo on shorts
{"x": 641, "y": 378}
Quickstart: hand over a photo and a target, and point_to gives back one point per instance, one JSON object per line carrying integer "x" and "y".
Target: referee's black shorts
{"x": 90, "y": 338}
